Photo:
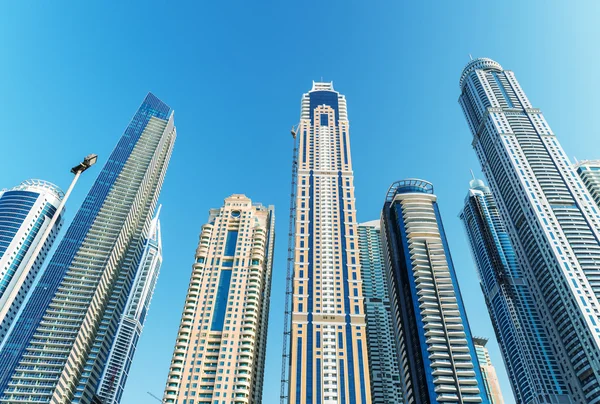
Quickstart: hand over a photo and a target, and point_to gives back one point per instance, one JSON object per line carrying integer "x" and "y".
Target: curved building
{"x": 532, "y": 368}
{"x": 25, "y": 213}
{"x": 436, "y": 354}
{"x": 551, "y": 218}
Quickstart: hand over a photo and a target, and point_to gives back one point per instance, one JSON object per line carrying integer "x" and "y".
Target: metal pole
{"x": 8, "y": 298}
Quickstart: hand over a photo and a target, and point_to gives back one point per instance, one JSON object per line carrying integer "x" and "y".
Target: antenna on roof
{"x": 321, "y": 79}
{"x": 575, "y": 158}
{"x": 470, "y": 57}
{"x": 472, "y": 175}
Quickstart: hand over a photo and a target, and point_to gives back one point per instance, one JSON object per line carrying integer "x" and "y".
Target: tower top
{"x": 322, "y": 86}
{"x": 478, "y": 64}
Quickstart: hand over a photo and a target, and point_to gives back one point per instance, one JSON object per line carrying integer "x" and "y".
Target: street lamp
{"x": 10, "y": 295}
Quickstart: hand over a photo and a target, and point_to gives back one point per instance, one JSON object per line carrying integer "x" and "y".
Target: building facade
{"x": 116, "y": 371}
{"x": 58, "y": 348}
{"x": 25, "y": 213}
{"x": 436, "y": 354}
{"x": 488, "y": 372}
{"x": 328, "y": 345}
{"x": 219, "y": 354}
{"x": 589, "y": 171}
{"x": 551, "y": 217}
{"x": 383, "y": 366}
{"x": 529, "y": 356}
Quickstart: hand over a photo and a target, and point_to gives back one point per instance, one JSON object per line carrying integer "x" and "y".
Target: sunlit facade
{"x": 219, "y": 354}
{"x": 551, "y": 218}
{"x": 328, "y": 342}
{"x": 59, "y": 345}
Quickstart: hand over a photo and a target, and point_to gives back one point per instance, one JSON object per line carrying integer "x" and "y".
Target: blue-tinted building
{"x": 61, "y": 340}
{"x": 526, "y": 348}
{"x": 437, "y": 357}
{"x": 130, "y": 328}
{"x": 551, "y": 217}
{"x": 25, "y": 213}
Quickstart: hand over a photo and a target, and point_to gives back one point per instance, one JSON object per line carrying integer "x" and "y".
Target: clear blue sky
{"x": 73, "y": 73}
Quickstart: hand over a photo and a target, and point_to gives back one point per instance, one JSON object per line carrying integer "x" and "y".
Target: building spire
{"x": 470, "y": 57}
{"x": 472, "y": 175}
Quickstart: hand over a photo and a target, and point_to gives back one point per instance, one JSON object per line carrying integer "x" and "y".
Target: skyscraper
{"x": 59, "y": 345}
{"x": 532, "y": 366}
{"x": 219, "y": 354}
{"x": 25, "y": 212}
{"x": 437, "y": 358}
{"x": 116, "y": 371}
{"x": 383, "y": 366}
{"x": 589, "y": 171}
{"x": 328, "y": 350}
{"x": 551, "y": 217}
{"x": 488, "y": 372}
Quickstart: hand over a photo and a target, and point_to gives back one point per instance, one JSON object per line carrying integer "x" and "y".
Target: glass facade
{"x": 25, "y": 213}
{"x": 552, "y": 220}
{"x": 119, "y": 361}
{"x": 383, "y": 366}
{"x": 63, "y": 335}
{"x": 525, "y": 345}
{"x": 327, "y": 302}
{"x": 436, "y": 354}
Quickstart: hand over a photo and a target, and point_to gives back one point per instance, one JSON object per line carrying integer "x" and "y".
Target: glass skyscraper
{"x": 383, "y": 366}
{"x": 219, "y": 354}
{"x": 436, "y": 354}
{"x": 61, "y": 340}
{"x": 130, "y": 328}
{"x": 25, "y": 213}
{"x": 532, "y": 367}
{"x": 551, "y": 218}
{"x": 589, "y": 171}
{"x": 488, "y": 372}
{"x": 328, "y": 346}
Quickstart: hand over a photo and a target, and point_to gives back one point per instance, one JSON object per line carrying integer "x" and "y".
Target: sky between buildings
{"x": 73, "y": 74}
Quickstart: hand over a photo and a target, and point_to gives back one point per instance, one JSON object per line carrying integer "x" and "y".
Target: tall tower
{"x": 328, "y": 349}
{"x": 383, "y": 366}
{"x": 436, "y": 352}
{"x": 530, "y": 359}
{"x": 25, "y": 213}
{"x": 552, "y": 220}
{"x": 589, "y": 171}
{"x": 59, "y": 344}
{"x": 116, "y": 371}
{"x": 488, "y": 372}
{"x": 219, "y": 353}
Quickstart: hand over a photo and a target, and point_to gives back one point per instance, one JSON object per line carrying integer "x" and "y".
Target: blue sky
{"x": 73, "y": 74}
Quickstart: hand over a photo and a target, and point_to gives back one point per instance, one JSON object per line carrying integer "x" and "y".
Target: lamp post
{"x": 10, "y": 295}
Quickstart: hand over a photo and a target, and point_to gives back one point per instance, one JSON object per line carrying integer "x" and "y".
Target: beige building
{"x": 219, "y": 353}
{"x": 328, "y": 360}
{"x": 488, "y": 371}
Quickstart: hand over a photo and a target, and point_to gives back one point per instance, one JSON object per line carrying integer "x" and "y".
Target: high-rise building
{"x": 383, "y": 366}
{"x": 552, "y": 220}
{"x": 488, "y": 372}
{"x": 589, "y": 171}
{"x": 59, "y": 345}
{"x": 436, "y": 354}
{"x": 25, "y": 213}
{"x": 328, "y": 356}
{"x": 219, "y": 354}
{"x": 116, "y": 371}
{"x": 532, "y": 367}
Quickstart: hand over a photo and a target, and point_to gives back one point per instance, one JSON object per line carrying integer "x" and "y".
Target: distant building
{"x": 488, "y": 372}
{"x": 25, "y": 213}
{"x": 589, "y": 171}
{"x": 383, "y": 364}
{"x": 533, "y": 370}
{"x": 437, "y": 357}
{"x": 130, "y": 329}
{"x": 219, "y": 353}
